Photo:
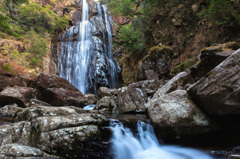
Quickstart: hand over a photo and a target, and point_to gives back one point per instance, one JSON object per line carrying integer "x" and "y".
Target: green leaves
{"x": 41, "y": 19}
{"x": 224, "y": 13}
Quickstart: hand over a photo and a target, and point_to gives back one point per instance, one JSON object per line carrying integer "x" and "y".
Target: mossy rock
{"x": 183, "y": 66}
{"x": 160, "y": 50}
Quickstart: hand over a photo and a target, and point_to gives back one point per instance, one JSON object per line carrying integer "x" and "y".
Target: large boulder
{"x": 8, "y": 80}
{"x": 210, "y": 57}
{"x": 22, "y": 94}
{"x": 177, "y": 112}
{"x": 156, "y": 65}
{"x": 107, "y": 104}
{"x": 58, "y": 91}
{"x": 49, "y": 128}
{"x": 218, "y": 93}
{"x": 177, "y": 82}
{"x": 104, "y": 91}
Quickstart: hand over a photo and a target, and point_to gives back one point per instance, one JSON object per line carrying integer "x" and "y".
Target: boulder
{"x": 104, "y": 91}
{"x": 23, "y": 94}
{"x": 218, "y": 92}
{"x": 58, "y": 91}
{"x": 66, "y": 131}
{"x": 36, "y": 103}
{"x": 8, "y": 80}
{"x": 9, "y": 110}
{"x": 176, "y": 111}
{"x": 156, "y": 65}
{"x": 91, "y": 98}
{"x": 130, "y": 99}
{"x": 177, "y": 82}
{"x": 107, "y": 104}
{"x": 29, "y": 79}
{"x": 210, "y": 57}
{"x": 10, "y": 151}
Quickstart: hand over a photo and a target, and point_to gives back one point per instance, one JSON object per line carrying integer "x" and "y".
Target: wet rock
{"x": 36, "y": 103}
{"x": 157, "y": 64}
{"x": 218, "y": 92}
{"x": 49, "y": 128}
{"x": 9, "y": 110}
{"x": 176, "y": 111}
{"x": 10, "y": 151}
{"x": 107, "y": 104}
{"x": 179, "y": 81}
{"x": 104, "y": 91}
{"x": 210, "y": 57}
{"x": 8, "y": 80}
{"x": 24, "y": 94}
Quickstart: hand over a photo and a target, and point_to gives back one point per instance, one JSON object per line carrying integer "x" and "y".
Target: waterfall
{"x": 85, "y": 56}
{"x": 144, "y": 144}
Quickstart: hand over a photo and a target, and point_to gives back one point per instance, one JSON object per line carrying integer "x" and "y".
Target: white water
{"x": 87, "y": 61}
{"x": 144, "y": 145}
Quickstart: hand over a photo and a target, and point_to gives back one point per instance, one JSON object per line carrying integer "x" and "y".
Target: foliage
{"x": 5, "y": 27}
{"x": 131, "y": 38}
{"x": 41, "y": 19}
{"x": 7, "y": 67}
{"x": 12, "y": 4}
{"x": 224, "y": 13}
{"x": 36, "y": 45}
{"x": 33, "y": 62}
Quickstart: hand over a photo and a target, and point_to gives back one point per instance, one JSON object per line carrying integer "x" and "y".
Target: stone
{"x": 8, "y": 80}
{"x": 9, "y": 110}
{"x": 157, "y": 64}
{"x": 104, "y": 91}
{"x": 91, "y": 98}
{"x": 11, "y": 151}
{"x": 177, "y": 112}
{"x": 58, "y": 91}
{"x": 66, "y": 131}
{"x": 36, "y": 103}
{"x": 24, "y": 94}
{"x": 29, "y": 79}
{"x": 180, "y": 79}
{"x": 107, "y": 104}
{"x": 218, "y": 92}
{"x": 45, "y": 81}
{"x": 209, "y": 58}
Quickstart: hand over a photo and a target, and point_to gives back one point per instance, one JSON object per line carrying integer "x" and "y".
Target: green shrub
{"x": 7, "y": 67}
{"x": 34, "y": 62}
{"x": 224, "y": 13}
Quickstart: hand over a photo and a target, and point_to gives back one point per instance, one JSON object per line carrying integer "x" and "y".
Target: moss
{"x": 182, "y": 67}
{"x": 232, "y": 45}
{"x": 159, "y": 50}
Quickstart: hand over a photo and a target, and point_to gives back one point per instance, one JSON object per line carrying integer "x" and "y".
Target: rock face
{"x": 156, "y": 65}
{"x": 218, "y": 92}
{"x": 210, "y": 58}
{"x": 176, "y": 111}
{"x": 23, "y": 94}
{"x": 6, "y": 79}
{"x": 49, "y": 128}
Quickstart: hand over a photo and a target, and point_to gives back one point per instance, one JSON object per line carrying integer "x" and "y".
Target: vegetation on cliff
{"x": 185, "y": 26}
{"x": 30, "y": 24}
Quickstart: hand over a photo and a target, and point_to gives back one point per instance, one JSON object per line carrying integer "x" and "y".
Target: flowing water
{"x": 84, "y": 59}
{"x": 144, "y": 145}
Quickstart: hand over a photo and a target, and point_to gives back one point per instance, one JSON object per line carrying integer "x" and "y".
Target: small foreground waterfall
{"x": 144, "y": 145}
{"x": 85, "y": 54}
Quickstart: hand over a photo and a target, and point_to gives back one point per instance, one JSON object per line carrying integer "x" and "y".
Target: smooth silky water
{"x": 143, "y": 144}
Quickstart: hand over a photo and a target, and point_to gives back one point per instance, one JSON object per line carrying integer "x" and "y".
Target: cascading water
{"x": 84, "y": 59}
{"x": 144, "y": 145}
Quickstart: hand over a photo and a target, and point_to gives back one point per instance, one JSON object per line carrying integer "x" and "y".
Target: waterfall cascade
{"x": 85, "y": 54}
{"x": 144, "y": 144}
